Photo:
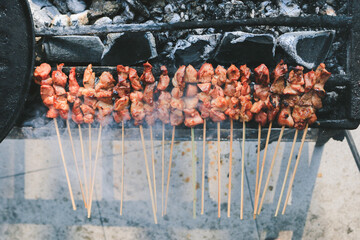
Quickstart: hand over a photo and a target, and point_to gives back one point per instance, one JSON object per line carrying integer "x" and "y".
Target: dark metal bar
{"x": 353, "y": 148}
{"x": 312, "y": 21}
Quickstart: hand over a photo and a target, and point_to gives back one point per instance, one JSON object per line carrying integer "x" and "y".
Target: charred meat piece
{"x": 261, "y": 118}
{"x": 322, "y": 75}
{"x": 303, "y": 115}
{"x": 192, "y": 118}
{"x": 88, "y": 112}
{"x": 178, "y": 79}
{"x": 73, "y": 86}
{"x": 41, "y": 73}
{"x": 149, "y": 93}
{"x": 150, "y": 113}
{"x": 311, "y": 99}
{"x": 164, "y": 79}
{"x": 59, "y": 77}
{"x": 233, "y": 73}
{"x": 177, "y": 106}
{"x": 191, "y": 90}
{"x": 245, "y": 74}
{"x": 123, "y": 73}
{"x": 285, "y": 118}
{"x": 206, "y": 73}
{"x": 310, "y": 80}
{"x": 62, "y": 106}
{"x": 262, "y": 75}
{"x": 204, "y": 87}
{"x": 104, "y": 88}
{"x": 245, "y": 107}
{"x": 137, "y": 107}
{"x": 77, "y": 116}
{"x": 273, "y": 106}
{"x": 163, "y": 108}
{"x": 147, "y": 77}
{"x": 278, "y": 85}
{"x": 217, "y": 116}
{"x": 89, "y": 78}
{"x": 220, "y": 76}
{"x": 134, "y": 79}
{"x": 190, "y": 74}
{"x": 294, "y": 85}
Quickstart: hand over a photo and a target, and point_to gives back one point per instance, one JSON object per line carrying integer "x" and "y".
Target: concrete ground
{"x": 35, "y": 203}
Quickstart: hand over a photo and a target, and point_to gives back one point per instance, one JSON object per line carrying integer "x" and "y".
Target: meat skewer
{"x": 261, "y": 96}
{"x": 218, "y": 107}
{"x": 176, "y": 116}
{"x": 163, "y": 110}
{"x": 304, "y": 112}
{"x": 205, "y": 75}
{"x": 150, "y": 114}
{"x": 104, "y": 104}
{"x": 77, "y": 117}
{"x": 245, "y": 116}
{"x": 47, "y": 92}
{"x": 138, "y": 113}
{"x": 121, "y": 114}
{"x": 232, "y": 93}
{"x": 276, "y": 89}
{"x": 192, "y": 118}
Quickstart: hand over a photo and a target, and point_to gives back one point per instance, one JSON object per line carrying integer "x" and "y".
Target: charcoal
{"x": 308, "y": 48}
{"x": 246, "y": 48}
{"x": 61, "y": 6}
{"x": 76, "y": 6}
{"x": 79, "y": 18}
{"x": 103, "y": 21}
{"x": 102, "y": 8}
{"x": 128, "y": 48}
{"x": 195, "y": 49}
{"x": 139, "y": 8}
{"x": 73, "y": 49}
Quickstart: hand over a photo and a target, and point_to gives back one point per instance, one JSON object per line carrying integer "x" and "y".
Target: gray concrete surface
{"x": 35, "y": 204}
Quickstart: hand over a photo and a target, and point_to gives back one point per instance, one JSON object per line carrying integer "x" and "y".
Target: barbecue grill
{"x": 339, "y": 115}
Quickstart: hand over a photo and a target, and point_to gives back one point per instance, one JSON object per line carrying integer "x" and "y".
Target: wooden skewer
{"x": 169, "y": 170}
{"x": 148, "y": 174}
{"x": 76, "y": 164}
{"x": 230, "y": 167}
{"x": 94, "y": 172}
{"x": 84, "y": 165}
{"x": 271, "y": 168}
{"x": 257, "y": 168}
{"x": 90, "y": 161}
{"x": 295, "y": 168}
{"x": 219, "y": 169}
{"x": 286, "y": 173}
{"x": 64, "y": 163}
{"x": 262, "y": 168}
{"x": 193, "y": 171}
{"x": 203, "y": 169}
{"x": 242, "y": 172}
{"x": 162, "y": 169}
{"x": 153, "y": 166}
{"x": 122, "y": 167}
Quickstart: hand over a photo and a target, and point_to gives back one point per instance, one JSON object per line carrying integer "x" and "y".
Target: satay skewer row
{"x": 163, "y": 110}
{"x": 48, "y": 96}
{"x": 273, "y": 105}
{"x": 205, "y": 75}
{"x": 304, "y": 111}
{"x": 176, "y": 117}
{"x": 261, "y": 96}
{"x": 138, "y": 114}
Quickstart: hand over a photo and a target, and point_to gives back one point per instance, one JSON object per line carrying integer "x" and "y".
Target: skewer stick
{"x": 75, "y": 161}
{"x": 271, "y": 168}
{"x": 162, "y": 169}
{"x": 219, "y": 169}
{"x": 203, "y": 169}
{"x": 148, "y": 174}
{"x": 169, "y": 170}
{"x": 122, "y": 167}
{"x": 193, "y": 171}
{"x": 257, "y": 169}
{"x": 262, "y": 168}
{"x": 230, "y": 167}
{"x": 295, "y": 168}
{"x": 242, "y": 172}
{"x": 286, "y": 173}
{"x": 83, "y": 163}
{"x": 93, "y": 175}
{"x": 153, "y": 166}
{"x": 90, "y": 160}
{"x": 64, "y": 163}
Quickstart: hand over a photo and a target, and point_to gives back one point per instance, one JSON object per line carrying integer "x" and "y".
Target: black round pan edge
{"x": 17, "y": 40}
